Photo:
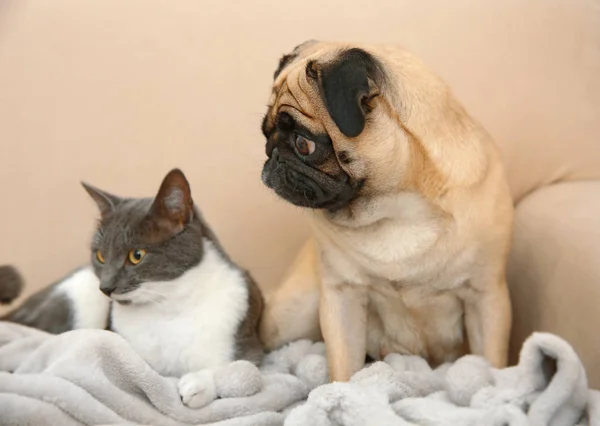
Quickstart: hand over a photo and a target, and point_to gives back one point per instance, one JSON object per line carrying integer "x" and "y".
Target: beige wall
{"x": 118, "y": 92}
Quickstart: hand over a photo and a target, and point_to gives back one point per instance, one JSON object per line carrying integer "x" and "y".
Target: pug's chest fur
{"x": 414, "y": 265}
{"x": 415, "y": 309}
{"x": 193, "y": 328}
{"x": 411, "y": 243}
{"x": 415, "y": 321}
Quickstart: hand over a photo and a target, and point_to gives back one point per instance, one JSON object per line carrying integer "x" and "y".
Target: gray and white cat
{"x": 160, "y": 279}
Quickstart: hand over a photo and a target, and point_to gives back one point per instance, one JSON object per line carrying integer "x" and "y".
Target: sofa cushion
{"x": 554, "y": 269}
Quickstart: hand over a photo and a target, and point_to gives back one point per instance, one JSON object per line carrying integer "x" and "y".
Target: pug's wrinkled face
{"x": 315, "y": 124}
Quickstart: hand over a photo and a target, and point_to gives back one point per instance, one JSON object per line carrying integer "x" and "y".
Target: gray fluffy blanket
{"x": 93, "y": 377}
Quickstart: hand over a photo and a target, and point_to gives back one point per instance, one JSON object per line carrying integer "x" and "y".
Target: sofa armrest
{"x": 554, "y": 269}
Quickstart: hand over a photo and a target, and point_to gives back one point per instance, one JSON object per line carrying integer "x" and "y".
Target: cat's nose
{"x": 107, "y": 289}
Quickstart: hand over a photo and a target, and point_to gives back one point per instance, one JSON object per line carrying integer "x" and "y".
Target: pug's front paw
{"x": 197, "y": 389}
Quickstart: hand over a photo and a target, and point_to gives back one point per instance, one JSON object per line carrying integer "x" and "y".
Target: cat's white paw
{"x": 198, "y": 389}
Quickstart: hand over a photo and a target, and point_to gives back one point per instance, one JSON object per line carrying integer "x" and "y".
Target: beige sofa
{"x": 117, "y": 92}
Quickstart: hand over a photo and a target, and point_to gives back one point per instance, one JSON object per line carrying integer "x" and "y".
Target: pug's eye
{"x": 136, "y": 255}
{"x": 99, "y": 256}
{"x": 304, "y": 146}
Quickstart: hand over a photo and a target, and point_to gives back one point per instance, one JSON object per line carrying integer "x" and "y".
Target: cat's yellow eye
{"x": 136, "y": 256}
{"x": 99, "y": 256}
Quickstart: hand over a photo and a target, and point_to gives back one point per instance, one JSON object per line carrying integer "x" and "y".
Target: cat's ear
{"x": 173, "y": 207}
{"x": 106, "y": 202}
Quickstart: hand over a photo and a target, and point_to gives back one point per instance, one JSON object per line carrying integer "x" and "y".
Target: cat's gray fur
{"x": 128, "y": 227}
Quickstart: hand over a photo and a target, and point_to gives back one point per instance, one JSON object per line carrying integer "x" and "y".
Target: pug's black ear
{"x": 348, "y": 86}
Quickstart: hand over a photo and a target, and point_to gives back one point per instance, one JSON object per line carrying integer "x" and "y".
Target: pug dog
{"x": 409, "y": 206}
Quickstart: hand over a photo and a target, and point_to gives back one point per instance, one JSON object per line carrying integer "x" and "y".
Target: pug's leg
{"x": 343, "y": 317}
{"x": 488, "y": 322}
{"x": 292, "y": 312}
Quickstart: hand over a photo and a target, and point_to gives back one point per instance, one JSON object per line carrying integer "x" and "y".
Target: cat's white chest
{"x": 193, "y": 323}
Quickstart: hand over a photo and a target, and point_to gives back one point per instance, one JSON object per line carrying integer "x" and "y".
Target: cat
{"x": 159, "y": 278}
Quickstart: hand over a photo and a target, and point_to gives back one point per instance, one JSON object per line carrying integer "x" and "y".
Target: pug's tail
{"x": 11, "y": 284}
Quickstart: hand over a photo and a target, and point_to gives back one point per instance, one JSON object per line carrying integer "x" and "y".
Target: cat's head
{"x": 143, "y": 243}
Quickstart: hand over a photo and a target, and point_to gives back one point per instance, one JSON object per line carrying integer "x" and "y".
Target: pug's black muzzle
{"x": 304, "y": 186}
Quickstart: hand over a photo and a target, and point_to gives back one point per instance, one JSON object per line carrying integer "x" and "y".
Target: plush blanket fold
{"x": 93, "y": 377}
